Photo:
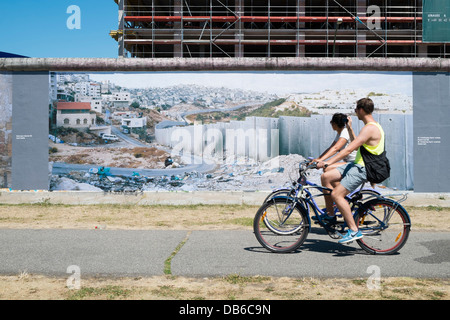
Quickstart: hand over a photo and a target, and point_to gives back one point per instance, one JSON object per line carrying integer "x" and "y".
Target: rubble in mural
{"x": 241, "y": 175}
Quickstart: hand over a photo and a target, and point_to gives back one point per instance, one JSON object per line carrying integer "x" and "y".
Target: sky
{"x": 38, "y": 28}
{"x": 270, "y": 82}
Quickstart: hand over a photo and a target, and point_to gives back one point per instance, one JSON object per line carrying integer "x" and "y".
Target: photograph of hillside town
{"x": 112, "y": 132}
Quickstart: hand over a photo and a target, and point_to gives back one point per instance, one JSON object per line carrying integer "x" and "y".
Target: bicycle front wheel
{"x": 385, "y": 226}
{"x": 280, "y": 226}
{"x": 280, "y": 193}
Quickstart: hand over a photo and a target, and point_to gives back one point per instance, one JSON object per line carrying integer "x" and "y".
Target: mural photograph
{"x": 212, "y": 131}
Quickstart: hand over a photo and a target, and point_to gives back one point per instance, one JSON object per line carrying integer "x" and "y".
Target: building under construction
{"x": 273, "y": 28}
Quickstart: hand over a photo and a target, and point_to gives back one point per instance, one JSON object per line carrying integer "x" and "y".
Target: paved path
{"x": 209, "y": 254}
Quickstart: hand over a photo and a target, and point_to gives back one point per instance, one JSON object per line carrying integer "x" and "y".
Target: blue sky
{"x": 38, "y": 28}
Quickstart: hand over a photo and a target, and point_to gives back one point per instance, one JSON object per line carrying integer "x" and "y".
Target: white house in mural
{"x": 96, "y": 103}
{"x": 75, "y": 115}
{"x": 134, "y": 122}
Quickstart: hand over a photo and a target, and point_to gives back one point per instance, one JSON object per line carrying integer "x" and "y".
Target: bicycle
{"x": 283, "y": 221}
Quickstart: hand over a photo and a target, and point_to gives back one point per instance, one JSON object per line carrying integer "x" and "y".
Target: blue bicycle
{"x": 283, "y": 221}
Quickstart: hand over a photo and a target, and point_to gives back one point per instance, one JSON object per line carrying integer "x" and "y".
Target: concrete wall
{"x": 265, "y": 138}
{"x": 30, "y": 131}
{"x": 24, "y": 130}
{"x": 431, "y": 131}
{"x": 5, "y": 129}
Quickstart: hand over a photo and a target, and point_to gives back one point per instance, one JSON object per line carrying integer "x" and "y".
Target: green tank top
{"x": 376, "y": 150}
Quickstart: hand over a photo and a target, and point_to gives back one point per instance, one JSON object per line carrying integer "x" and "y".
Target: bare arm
{"x": 332, "y": 150}
{"x": 364, "y": 136}
{"x": 351, "y": 133}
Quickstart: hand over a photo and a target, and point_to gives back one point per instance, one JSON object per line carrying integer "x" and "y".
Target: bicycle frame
{"x": 307, "y": 196}
{"x": 301, "y": 191}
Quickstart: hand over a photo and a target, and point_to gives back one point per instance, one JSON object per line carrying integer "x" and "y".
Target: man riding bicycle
{"x": 347, "y": 178}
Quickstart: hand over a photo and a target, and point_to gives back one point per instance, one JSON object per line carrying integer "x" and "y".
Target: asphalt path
{"x": 113, "y": 253}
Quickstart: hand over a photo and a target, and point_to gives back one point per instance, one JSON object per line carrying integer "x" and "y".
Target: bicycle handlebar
{"x": 312, "y": 165}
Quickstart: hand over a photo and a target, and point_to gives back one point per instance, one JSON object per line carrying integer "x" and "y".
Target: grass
{"x": 243, "y": 280}
{"x": 108, "y": 292}
{"x": 169, "y": 291}
{"x": 168, "y": 261}
{"x": 45, "y": 214}
{"x": 246, "y": 222}
{"x": 238, "y": 287}
{"x": 25, "y": 286}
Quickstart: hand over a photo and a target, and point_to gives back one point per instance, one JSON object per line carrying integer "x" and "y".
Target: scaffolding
{"x": 272, "y": 28}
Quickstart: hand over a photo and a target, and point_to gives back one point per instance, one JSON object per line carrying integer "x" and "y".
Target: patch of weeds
{"x": 111, "y": 292}
{"x": 168, "y": 262}
{"x": 241, "y": 280}
{"x": 169, "y": 291}
{"x": 359, "y": 282}
{"x": 437, "y": 295}
{"x": 162, "y": 224}
{"x": 435, "y": 208}
{"x": 246, "y": 222}
{"x": 428, "y": 208}
{"x": 269, "y": 289}
{"x": 44, "y": 203}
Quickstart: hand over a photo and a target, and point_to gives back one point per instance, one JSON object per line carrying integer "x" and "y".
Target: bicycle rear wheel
{"x": 279, "y": 226}
{"x": 385, "y": 226}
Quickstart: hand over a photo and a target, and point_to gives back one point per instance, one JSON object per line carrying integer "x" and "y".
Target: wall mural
{"x": 188, "y": 131}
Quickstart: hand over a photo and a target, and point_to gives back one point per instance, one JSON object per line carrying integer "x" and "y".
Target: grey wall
{"x": 311, "y": 136}
{"x": 30, "y": 131}
{"x": 5, "y": 129}
{"x": 265, "y": 138}
{"x": 431, "y": 96}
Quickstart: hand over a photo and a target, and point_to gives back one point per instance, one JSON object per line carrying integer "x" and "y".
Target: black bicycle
{"x": 283, "y": 222}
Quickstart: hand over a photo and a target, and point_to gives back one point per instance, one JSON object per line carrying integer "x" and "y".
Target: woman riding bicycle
{"x": 344, "y": 135}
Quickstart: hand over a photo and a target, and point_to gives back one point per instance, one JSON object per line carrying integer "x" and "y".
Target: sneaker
{"x": 351, "y": 236}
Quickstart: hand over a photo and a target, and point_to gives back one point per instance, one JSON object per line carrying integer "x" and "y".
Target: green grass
{"x": 111, "y": 292}
{"x": 168, "y": 262}
{"x": 242, "y": 280}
